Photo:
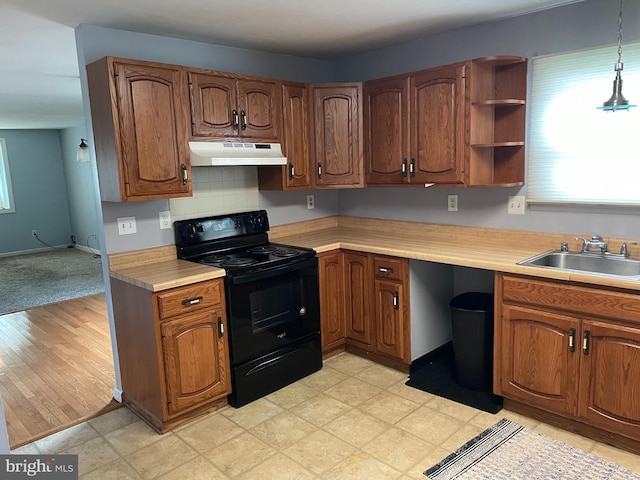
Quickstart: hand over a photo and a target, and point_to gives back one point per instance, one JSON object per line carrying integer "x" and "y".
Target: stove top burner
{"x": 214, "y": 258}
{"x": 238, "y": 262}
{"x": 263, "y": 249}
{"x": 285, "y": 252}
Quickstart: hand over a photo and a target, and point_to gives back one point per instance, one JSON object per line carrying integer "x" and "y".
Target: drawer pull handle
{"x": 385, "y": 269}
{"x": 586, "y": 340}
{"x": 572, "y": 340}
{"x": 191, "y": 301}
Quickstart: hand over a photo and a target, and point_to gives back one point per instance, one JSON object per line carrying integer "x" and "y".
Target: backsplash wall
{"x": 218, "y": 190}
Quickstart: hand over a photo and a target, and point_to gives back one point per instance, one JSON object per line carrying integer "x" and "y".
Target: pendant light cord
{"x": 619, "y": 64}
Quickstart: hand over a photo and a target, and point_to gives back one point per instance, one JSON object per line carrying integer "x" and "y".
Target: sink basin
{"x": 599, "y": 263}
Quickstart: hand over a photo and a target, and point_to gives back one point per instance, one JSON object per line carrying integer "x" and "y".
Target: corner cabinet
{"x": 139, "y": 117}
{"x": 173, "y": 351}
{"x": 459, "y": 125}
{"x": 296, "y": 143}
{"x": 364, "y": 305}
{"x": 570, "y": 349}
{"x": 336, "y": 126}
{"x": 225, "y": 106}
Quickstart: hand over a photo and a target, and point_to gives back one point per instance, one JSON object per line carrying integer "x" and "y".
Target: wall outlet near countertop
{"x": 515, "y": 205}
{"x": 452, "y": 203}
{"x": 165, "y": 219}
{"x": 311, "y": 202}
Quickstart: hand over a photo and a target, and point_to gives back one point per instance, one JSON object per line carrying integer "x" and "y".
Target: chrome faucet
{"x": 624, "y": 251}
{"x": 595, "y": 242}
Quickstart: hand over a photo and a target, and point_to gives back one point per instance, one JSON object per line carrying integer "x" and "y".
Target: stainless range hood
{"x": 207, "y": 154}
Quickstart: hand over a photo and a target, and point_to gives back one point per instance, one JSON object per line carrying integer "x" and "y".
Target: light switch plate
{"x": 126, "y": 225}
{"x": 516, "y": 205}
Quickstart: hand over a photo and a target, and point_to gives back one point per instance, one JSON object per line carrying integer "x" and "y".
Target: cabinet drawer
{"x": 572, "y": 298}
{"x": 182, "y": 300}
{"x": 387, "y": 267}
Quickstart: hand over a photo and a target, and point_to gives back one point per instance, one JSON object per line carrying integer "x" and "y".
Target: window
{"x": 6, "y": 193}
{"x": 578, "y": 153}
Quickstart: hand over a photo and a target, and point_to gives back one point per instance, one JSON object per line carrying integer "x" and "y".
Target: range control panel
{"x": 199, "y": 230}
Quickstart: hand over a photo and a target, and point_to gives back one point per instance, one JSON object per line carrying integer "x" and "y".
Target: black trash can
{"x": 472, "y": 328}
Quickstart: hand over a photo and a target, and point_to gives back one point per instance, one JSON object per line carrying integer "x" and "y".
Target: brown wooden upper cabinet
{"x": 460, "y": 124}
{"x": 234, "y": 107}
{"x": 414, "y": 127}
{"x": 296, "y": 143}
{"x": 336, "y": 125}
{"x": 139, "y": 117}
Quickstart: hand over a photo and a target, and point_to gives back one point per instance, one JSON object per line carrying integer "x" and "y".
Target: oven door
{"x": 271, "y": 309}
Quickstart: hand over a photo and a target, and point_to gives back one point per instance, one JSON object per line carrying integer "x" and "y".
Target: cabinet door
{"x": 386, "y": 131}
{"x": 610, "y": 377}
{"x": 296, "y": 135}
{"x": 152, "y": 118}
{"x": 357, "y": 285}
{"x": 540, "y": 358}
{"x": 332, "y": 299}
{"x": 437, "y": 98}
{"x": 391, "y": 328}
{"x": 213, "y": 105}
{"x": 337, "y": 127}
{"x": 260, "y": 110}
{"x": 196, "y": 357}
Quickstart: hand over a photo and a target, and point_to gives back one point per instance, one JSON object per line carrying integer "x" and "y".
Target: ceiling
{"x": 39, "y": 83}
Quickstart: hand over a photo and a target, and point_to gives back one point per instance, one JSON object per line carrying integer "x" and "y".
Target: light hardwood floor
{"x": 56, "y": 367}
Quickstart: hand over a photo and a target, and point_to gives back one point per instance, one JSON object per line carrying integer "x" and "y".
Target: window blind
{"x": 578, "y": 153}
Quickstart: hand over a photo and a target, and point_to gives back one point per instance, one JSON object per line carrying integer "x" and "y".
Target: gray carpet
{"x": 48, "y": 277}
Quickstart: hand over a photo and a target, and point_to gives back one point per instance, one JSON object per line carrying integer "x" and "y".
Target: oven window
{"x": 271, "y": 306}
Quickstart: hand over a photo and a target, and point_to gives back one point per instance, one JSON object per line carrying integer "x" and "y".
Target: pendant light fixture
{"x": 617, "y": 100}
{"x": 83, "y": 151}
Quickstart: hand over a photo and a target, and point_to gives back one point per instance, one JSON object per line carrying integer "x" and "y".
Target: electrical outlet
{"x": 311, "y": 202}
{"x": 515, "y": 205}
{"x": 34, "y": 233}
{"x": 452, "y": 203}
{"x": 126, "y": 225}
{"x": 165, "y": 220}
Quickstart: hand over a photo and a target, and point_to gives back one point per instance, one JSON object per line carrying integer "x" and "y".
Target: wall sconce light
{"x": 83, "y": 151}
{"x": 617, "y": 100}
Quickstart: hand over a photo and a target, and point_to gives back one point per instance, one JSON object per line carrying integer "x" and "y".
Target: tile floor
{"x": 354, "y": 419}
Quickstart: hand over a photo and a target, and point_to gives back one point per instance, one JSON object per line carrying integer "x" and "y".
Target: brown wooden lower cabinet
{"x": 173, "y": 351}
{"x": 364, "y": 304}
{"x": 570, "y": 349}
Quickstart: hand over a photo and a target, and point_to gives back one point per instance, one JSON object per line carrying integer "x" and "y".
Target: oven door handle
{"x": 273, "y": 272}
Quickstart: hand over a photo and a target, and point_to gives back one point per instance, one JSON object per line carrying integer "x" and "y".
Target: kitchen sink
{"x": 598, "y": 263}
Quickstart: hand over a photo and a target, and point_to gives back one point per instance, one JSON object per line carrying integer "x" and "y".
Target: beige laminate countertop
{"x": 490, "y": 249}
